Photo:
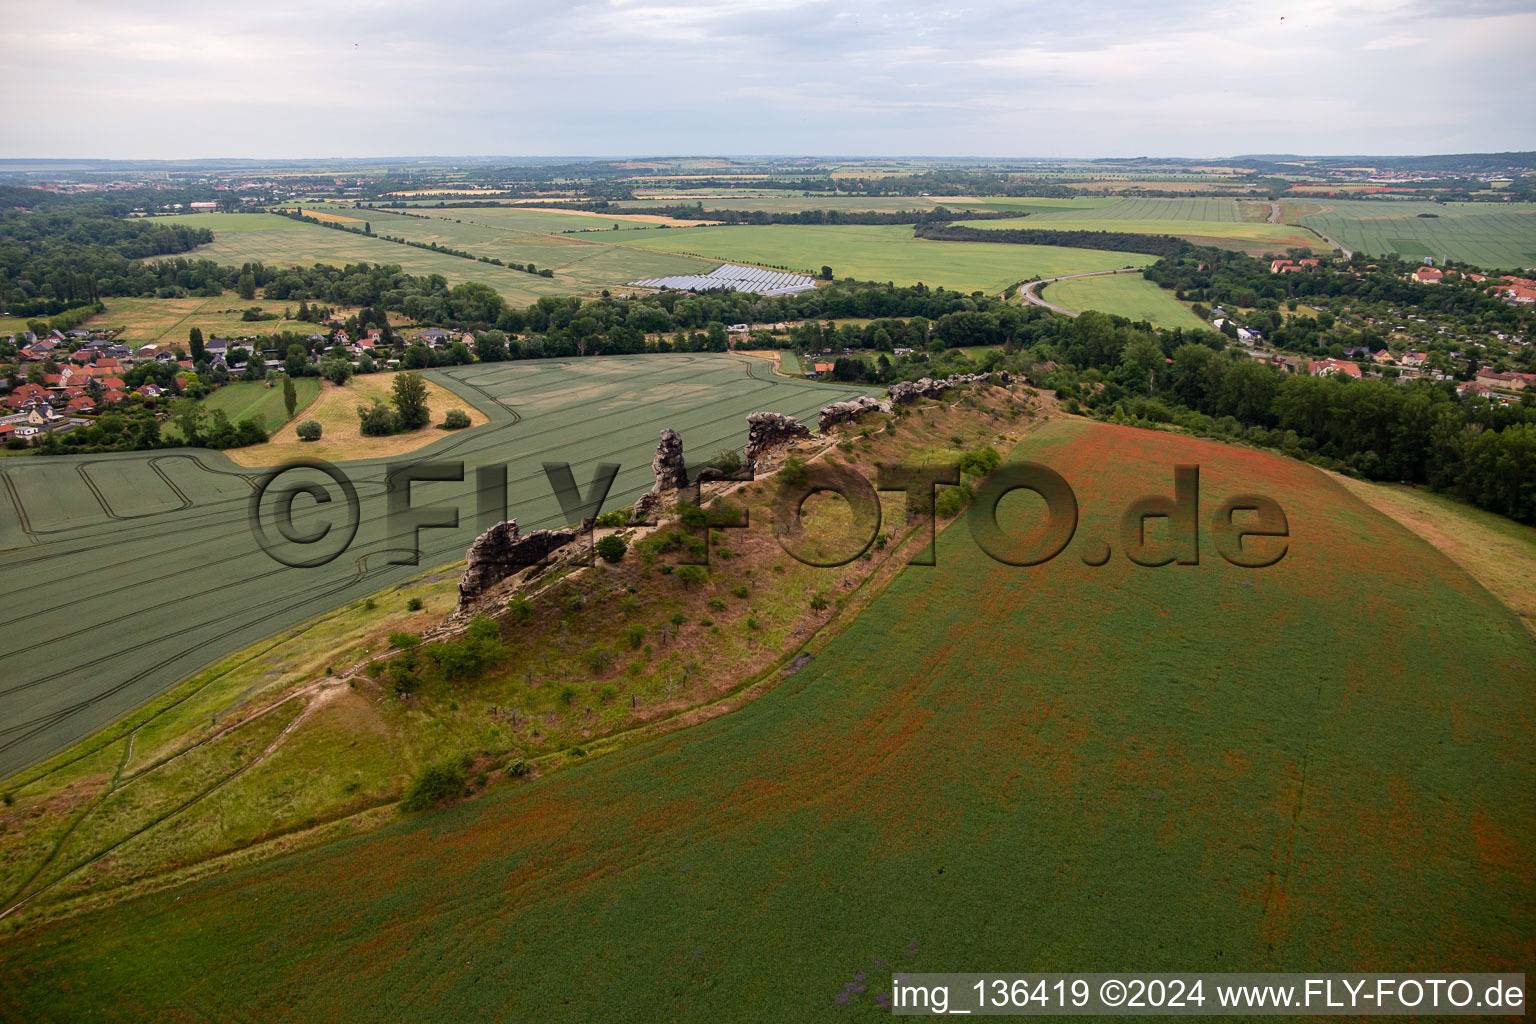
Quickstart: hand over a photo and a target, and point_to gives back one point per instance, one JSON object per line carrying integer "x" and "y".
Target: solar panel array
{"x": 734, "y": 278}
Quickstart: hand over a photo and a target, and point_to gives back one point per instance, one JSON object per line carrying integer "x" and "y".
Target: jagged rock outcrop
{"x": 766, "y": 430}
{"x": 907, "y": 392}
{"x": 502, "y": 551}
{"x": 668, "y": 465}
{"x": 841, "y": 412}
{"x": 646, "y": 508}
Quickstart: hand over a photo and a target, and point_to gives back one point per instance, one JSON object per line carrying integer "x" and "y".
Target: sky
{"x": 171, "y": 79}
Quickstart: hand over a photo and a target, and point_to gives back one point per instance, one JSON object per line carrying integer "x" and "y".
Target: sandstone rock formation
{"x": 766, "y": 430}
{"x": 840, "y": 412}
{"x": 668, "y": 465}
{"x": 502, "y": 551}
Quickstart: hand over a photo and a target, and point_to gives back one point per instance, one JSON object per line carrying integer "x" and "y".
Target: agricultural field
{"x": 145, "y": 320}
{"x": 1127, "y": 295}
{"x": 178, "y": 579}
{"x": 280, "y": 241}
{"x": 1491, "y": 235}
{"x": 882, "y": 253}
{"x": 248, "y": 399}
{"x": 1230, "y": 223}
{"x": 577, "y": 247}
{"x": 1170, "y": 765}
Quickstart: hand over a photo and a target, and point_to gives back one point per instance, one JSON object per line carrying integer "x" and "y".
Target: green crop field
{"x": 1061, "y": 767}
{"x": 177, "y": 579}
{"x": 585, "y": 259}
{"x": 247, "y": 399}
{"x": 882, "y": 253}
{"x": 1127, "y": 295}
{"x": 1492, "y": 235}
{"x": 1232, "y": 223}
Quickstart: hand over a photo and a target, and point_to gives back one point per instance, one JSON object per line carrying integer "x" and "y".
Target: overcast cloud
{"x": 176, "y": 78}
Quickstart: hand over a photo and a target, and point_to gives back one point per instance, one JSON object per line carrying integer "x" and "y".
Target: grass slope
{"x": 1062, "y": 767}
{"x": 1128, "y": 295}
{"x": 882, "y": 253}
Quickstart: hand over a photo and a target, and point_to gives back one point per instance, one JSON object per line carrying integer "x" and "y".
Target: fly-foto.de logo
{"x": 1247, "y": 530}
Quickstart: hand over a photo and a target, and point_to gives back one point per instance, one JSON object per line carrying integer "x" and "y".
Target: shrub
{"x": 818, "y": 602}
{"x": 404, "y": 641}
{"x": 634, "y": 636}
{"x": 413, "y": 605}
{"x": 436, "y": 783}
{"x": 568, "y": 693}
{"x": 468, "y": 657}
{"x": 794, "y": 472}
{"x": 716, "y": 605}
{"x": 377, "y": 420}
{"x": 618, "y": 517}
{"x": 455, "y": 419}
{"x": 611, "y": 548}
{"x": 309, "y": 430}
{"x": 727, "y": 461}
{"x": 740, "y": 592}
{"x": 752, "y": 622}
{"x": 692, "y": 575}
{"x": 519, "y": 610}
{"x": 693, "y": 516}
{"x": 517, "y": 768}
{"x": 952, "y": 500}
{"x": 598, "y": 659}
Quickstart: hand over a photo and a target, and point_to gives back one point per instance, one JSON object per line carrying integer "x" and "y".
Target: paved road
{"x": 1274, "y": 212}
{"x": 1030, "y": 296}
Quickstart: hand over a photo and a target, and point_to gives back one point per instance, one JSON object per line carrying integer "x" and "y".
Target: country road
{"x": 1274, "y": 212}
{"x": 1028, "y": 290}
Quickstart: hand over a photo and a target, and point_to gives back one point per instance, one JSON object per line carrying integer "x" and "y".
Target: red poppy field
{"x": 1325, "y": 764}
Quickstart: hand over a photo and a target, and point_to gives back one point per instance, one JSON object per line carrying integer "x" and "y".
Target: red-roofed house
{"x": 1428, "y": 275}
{"x": 80, "y": 406}
{"x": 1494, "y": 379}
{"x": 1413, "y": 359}
{"x": 113, "y": 397}
{"x": 1331, "y": 368}
{"x": 113, "y": 382}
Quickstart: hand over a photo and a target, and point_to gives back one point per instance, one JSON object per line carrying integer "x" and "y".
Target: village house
{"x": 1427, "y": 275}
{"x": 1331, "y": 368}
{"x": 1413, "y": 360}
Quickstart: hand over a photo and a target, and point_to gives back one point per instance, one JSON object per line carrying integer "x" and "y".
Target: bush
{"x": 437, "y": 783}
{"x": 455, "y": 419}
{"x": 413, "y": 605}
{"x": 692, "y": 516}
{"x": 611, "y": 548}
{"x": 377, "y": 420}
{"x": 518, "y": 768}
{"x": 692, "y": 574}
{"x": 598, "y": 659}
{"x": 309, "y": 430}
{"x": 727, "y": 461}
{"x": 952, "y": 500}
{"x": 818, "y": 602}
{"x": 568, "y": 693}
{"x": 618, "y": 517}
{"x": 794, "y": 472}
{"x": 404, "y": 641}
{"x": 519, "y": 610}
{"x": 634, "y": 636}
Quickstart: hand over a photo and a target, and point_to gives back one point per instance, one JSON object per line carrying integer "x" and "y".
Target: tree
{"x": 455, "y": 419}
{"x": 246, "y": 286}
{"x": 309, "y": 430}
{"x": 290, "y": 396}
{"x": 377, "y": 420}
{"x": 337, "y": 371}
{"x": 826, "y": 273}
{"x": 195, "y": 340}
{"x": 295, "y": 360}
{"x": 410, "y": 400}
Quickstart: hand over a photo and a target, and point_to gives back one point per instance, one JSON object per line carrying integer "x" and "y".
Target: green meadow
{"x": 881, "y": 253}
{"x": 1127, "y": 295}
